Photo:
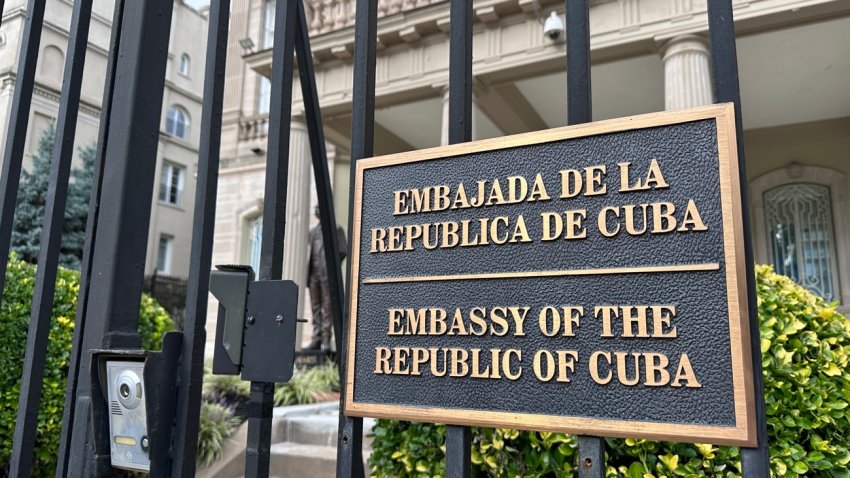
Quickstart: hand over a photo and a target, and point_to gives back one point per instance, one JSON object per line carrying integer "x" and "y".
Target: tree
{"x": 32, "y": 196}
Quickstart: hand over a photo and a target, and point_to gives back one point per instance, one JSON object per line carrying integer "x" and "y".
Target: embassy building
{"x": 647, "y": 56}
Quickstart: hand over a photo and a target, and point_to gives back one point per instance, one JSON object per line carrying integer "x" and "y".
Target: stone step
{"x": 294, "y": 460}
{"x": 303, "y": 444}
{"x": 319, "y": 428}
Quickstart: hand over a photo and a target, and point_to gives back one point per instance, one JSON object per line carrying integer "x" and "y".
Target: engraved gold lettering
{"x": 656, "y": 369}
{"x": 400, "y": 362}
{"x": 379, "y": 236}
{"x": 593, "y": 177}
{"x": 517, "y": 189}
{"x": 574, "y": 229}
{"x": 661, "y": 315}
{"x": 382, "y": 360}
{"x": 685, "y": 372}
{"x": 518, "y": 314}
{"x": 662, "y": 217}
{"x": 630, "y": 320}
{"x": 459, "y": 366}
{"x": 566, "y": 361}
{"x": 395, "y": 322}
{"x": 623, "y": 368}
{"x": 603, "y": 221}
{"x": 571, "y": 183}
{"x": 476, "y": 366}
{"x": 607, "y": 311}
{"x": 498, "y": 316}
{"x": 400, "y": 202}
{"x": 593, "y": 367}
{"x": 506, "y": 364}
{"x": 549, "y": 373}
{"x": 538, "y": 190}
{"x": 420, "y": 357}
{"x": 691, "y": 219}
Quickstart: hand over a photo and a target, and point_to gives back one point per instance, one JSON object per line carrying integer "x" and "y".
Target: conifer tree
{"x": 32, "y": 196}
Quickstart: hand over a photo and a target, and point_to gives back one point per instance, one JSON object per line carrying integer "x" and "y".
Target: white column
{"x": 444, "y": 133}
{"x": 295, "y": 246}
{"x": 687, "y": 72}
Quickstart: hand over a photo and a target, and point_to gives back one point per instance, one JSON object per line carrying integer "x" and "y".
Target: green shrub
{"x": 806, "y": 350}
{"x": 229, "y": 389}
{"x": 307, "y": 386}
{"x": 14, "y": 322}
{"x": 216, "y": 425}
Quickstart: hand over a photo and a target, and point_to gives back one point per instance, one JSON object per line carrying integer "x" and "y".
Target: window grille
{"x": 800, "y": 234}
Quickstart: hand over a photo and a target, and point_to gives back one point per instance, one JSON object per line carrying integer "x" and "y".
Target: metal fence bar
{"x": 579, "y": 107}
{"x": 349, "y": 452}
{"x": 591, "y": 450}
{"x": 591, "y": 456}
{"x": 190, "y": 373}
{"x": 71, "y": 406}
{"x": 459, "y": 438}
{"x": 724, "y": 55}
{"x": 274, "y": 220}
{"x": 51, "y": 237}
{"x": 117, "y": 264}
{"x": 16, "y": 135}
{"x": 327, "y": 218}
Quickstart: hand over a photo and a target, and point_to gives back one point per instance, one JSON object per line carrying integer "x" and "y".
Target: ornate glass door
{"x": 800, "y": 235}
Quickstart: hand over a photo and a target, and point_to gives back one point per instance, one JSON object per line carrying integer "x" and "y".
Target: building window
{"x": 264, "y": 91}
{"x": 177, "y": 122}
{"x": 184, "y": 64}
{"x": 171, "y": 184}
{"x": 268, "y": 24}
{"x": 255, "y": 242}
{"x": 163, "y": 260}
{"x": 801, "y": 237}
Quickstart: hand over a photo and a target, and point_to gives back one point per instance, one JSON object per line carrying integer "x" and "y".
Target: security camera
{"x": 554, "y": 27}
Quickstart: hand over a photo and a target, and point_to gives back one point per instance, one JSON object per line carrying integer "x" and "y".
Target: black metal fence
{"x": 170, "y": 292}
{"x": 112, "y": 270}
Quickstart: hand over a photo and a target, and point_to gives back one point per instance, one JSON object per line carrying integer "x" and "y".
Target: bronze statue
{"x": 320, "y": 295}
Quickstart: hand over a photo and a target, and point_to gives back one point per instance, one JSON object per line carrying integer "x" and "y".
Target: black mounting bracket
{"x": 255, "y": 331}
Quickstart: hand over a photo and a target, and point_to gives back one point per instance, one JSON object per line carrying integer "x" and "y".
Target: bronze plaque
{"x": 587, "y": 279}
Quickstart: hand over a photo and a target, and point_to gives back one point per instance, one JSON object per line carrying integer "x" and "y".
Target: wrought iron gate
{"x": 116, "y": 233}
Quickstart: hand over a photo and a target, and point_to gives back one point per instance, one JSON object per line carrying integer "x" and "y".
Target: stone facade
{"x": 647, "y": 55}
{"x": 171, "y": 217}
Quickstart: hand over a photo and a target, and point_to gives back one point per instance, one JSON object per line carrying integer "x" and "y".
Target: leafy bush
{"x": 308, "y": 386}
{"x": 806, "y": 353}
{"x": 216, "y": 425}
{"x": 14, "y": 322}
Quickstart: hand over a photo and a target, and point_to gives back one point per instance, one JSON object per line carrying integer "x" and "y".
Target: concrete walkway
{"x": 303, "y": 444}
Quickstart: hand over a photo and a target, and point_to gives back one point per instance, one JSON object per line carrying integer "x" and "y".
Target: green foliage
{"x": 307, "y": 386}
{"x": 216, "y": 425}
{"x": 408, "y": 449}
{"x": 225, "y": 388}
{"x": 806, "y": 353}
{"x": 32, "y": 196}
{"x": 14, "y": 322}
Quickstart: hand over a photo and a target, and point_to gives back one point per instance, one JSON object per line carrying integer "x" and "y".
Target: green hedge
{"x": 806, "y": 350}
{"x": 14, "y": 322}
